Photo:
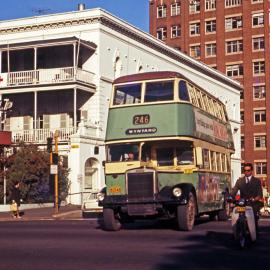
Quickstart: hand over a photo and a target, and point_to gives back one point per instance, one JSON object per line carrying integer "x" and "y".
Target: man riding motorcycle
{"x": 250, "y": 189}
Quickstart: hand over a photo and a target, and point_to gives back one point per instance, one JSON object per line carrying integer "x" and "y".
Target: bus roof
{"x": 149, "y": 76}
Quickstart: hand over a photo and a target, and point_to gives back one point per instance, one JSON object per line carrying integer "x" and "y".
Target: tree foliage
{"x": 30, "y": 166}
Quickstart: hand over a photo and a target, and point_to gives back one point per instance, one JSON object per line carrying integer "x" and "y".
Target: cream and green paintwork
{"x": 170, "y": 120}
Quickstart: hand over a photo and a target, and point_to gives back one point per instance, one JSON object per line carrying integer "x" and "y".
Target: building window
{"x": 258, "y": 43}
{"x": 242, "y": 142}
{"x": 259, "y": 92}
{"x": 242, "y": 117}
{"x": 162, "y": 33}
{"x": 260, "y": 141}
{"x": 261, "y": 168}
{"x": 233, "y": 3}
{"x": 210, "y": 26}
{"x": 211, "y": 49}
{"x": 233, "y": 23}
{"x": 175, "y": 31}
{"x": 194, "y": 29}
{"x": 234, "y": 46}
{"x": 175, "y": 9}
{"x": 260, "y": 116}
{"x": 161, "y": 11}
{"x": 241, "y": 94}
{"x": 194, "y": 6}
{"x": 257, "y": 20}
{"x": 257, "y": 1}
{"x": 234, "y": 70}
{"x": 195, "y": 51}
{"x": 258, "y": 67}
{"x": 210, "y": 4}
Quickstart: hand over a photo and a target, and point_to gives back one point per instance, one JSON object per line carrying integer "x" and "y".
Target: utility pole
{"x": 54, "y": 166}
{"x": 56, "y": 135}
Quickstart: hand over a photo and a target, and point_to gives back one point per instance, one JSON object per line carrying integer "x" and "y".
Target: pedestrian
{"x": 16, "y": 199}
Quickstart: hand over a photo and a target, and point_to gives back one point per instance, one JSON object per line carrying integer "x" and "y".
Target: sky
{"x": 135, "y": 12}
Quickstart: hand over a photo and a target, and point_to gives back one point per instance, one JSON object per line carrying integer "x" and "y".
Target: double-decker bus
{"x": 169, "y": 146}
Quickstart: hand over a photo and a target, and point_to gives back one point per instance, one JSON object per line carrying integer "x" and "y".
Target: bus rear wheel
{"x": 224, "y": 214}
{"x": 186, "y": 214}
{"x": 111, "y": 223}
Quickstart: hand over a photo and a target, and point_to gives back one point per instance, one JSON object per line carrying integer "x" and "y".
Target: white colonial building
{"x": 58, "y": 71}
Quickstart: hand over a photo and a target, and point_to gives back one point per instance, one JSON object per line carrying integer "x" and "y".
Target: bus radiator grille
{"x": 140, "y": 186}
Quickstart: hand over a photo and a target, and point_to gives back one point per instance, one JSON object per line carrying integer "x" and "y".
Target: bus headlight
{"x": 100, "y": 196}
{"x": 177, "y": 192}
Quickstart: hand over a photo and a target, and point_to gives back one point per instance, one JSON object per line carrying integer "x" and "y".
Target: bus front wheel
{"x": 186, "y": 214}
{"x": 111, "y": 223}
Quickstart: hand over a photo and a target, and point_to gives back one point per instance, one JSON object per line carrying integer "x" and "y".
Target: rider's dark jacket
{"x": 248, "y": 190}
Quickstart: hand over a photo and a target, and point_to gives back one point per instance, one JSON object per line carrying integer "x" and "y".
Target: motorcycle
{"x": 243, "y": 223}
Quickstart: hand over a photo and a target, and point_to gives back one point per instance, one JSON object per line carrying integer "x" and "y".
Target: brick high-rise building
{"x": 233, "y": 37}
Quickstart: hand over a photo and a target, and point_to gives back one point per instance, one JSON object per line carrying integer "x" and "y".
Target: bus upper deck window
{"x": 127, "y": 94}
{"x": 183, "y": 92}
{"x": 159, "y": 91}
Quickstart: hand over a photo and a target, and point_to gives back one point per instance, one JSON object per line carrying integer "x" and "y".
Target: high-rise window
{"x": 194, "y": 6}
{"x": 210, "y": 4}
{"x": 175, "y": 31}
{"x": 259, "y": 141}
{"x": 259, "y": 116}
{"x": 234, "y": 70}
{"x": 242, "y": 116}
{"x": 195, "y": 51}
{"x": 210, "y": 26}
{"x": 175, "y": 9}
{"x": 161, "y": 11}
{"x": 261, "y": 168}
{"x": 234, "y": 46}
{"x": 258, "y": 43}
{"x": 194, "y": 29}
{"x": 242, "y": 142}
{"x": 258, "y": 67}
{"x": 211, "y": 49}
{"x": 257, "y": 19}
{"x": 233, "y": 3}
{"x": 233, "y": 23}
{"x": 162, "y": 33}
{"x": 259, "y": 92}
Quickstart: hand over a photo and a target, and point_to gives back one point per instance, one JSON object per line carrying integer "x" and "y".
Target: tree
{"x": 30, "y": 166}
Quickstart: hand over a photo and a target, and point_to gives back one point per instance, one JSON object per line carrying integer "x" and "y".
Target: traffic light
{"x": 54, "y": 158}
{"x": 49, "y": 144}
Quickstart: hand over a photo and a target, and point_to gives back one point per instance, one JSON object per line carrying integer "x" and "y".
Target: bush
{"x": 30, "y": 166}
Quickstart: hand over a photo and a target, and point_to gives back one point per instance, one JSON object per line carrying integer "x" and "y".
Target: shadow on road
{"x": 217, "y": 250}
{"x": 150, "y": 224}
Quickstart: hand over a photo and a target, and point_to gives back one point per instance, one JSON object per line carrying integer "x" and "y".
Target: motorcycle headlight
{"x": 241, "y": 202}
{"x": 100, "y": 196}
{"x": 177, "y": 192}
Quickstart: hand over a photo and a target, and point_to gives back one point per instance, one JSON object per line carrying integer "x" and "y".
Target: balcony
{"x": 41, "y": 135}
{"x": 46, "y": 76}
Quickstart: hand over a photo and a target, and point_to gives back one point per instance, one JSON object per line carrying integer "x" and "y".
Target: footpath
{"x": 45, "y": 213}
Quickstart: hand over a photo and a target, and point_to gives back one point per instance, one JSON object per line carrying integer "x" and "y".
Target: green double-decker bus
{"x": 168, "y": 146}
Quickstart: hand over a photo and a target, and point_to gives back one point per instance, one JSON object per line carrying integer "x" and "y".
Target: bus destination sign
{"x": 141, "y": 119}
{"x": 138, "y": 131}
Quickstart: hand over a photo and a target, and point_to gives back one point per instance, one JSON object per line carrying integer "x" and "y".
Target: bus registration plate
{"x": 115, "y": 189}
